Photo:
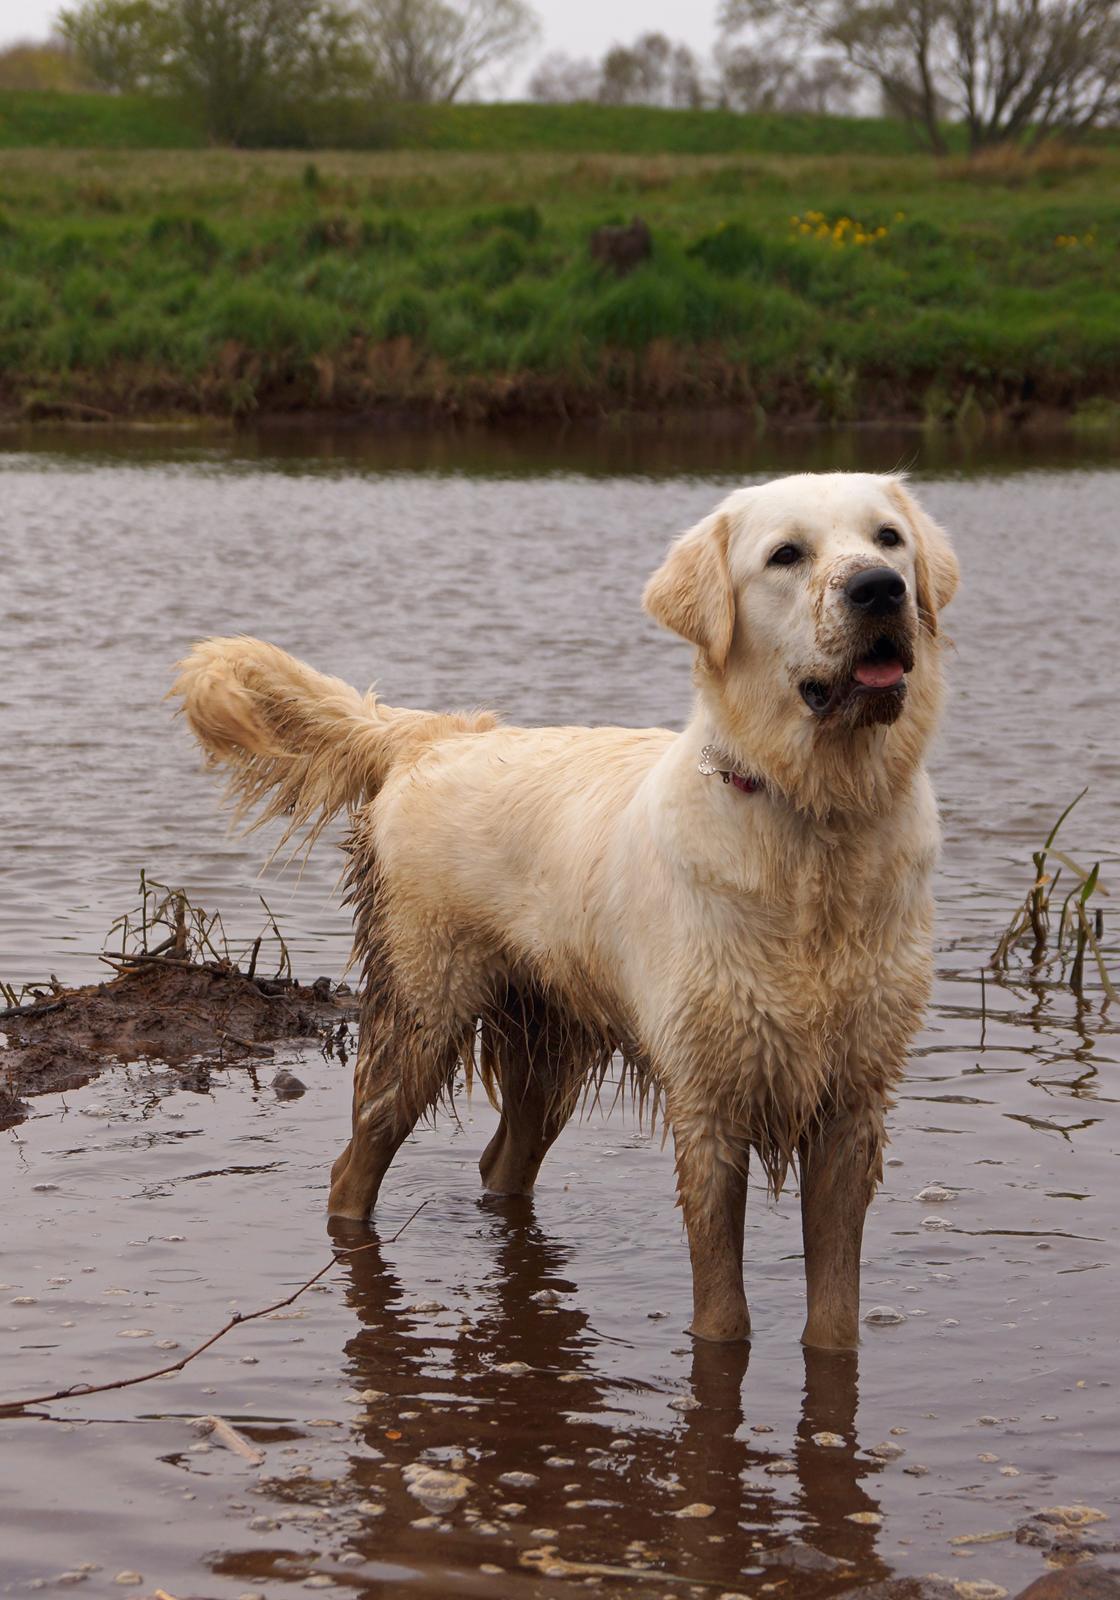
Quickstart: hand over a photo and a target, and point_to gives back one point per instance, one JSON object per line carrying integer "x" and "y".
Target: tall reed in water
{"x": 1078, "y": 930}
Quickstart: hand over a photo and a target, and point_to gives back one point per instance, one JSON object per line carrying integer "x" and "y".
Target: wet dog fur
{"x": 534, "y": 903}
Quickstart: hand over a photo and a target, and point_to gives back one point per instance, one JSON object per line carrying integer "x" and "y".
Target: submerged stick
{"x": 228, "y": 1436}
{"x": 75, "y": 1390}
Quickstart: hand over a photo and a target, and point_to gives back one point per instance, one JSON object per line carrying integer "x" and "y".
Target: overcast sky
{"x": 578, "y": 27}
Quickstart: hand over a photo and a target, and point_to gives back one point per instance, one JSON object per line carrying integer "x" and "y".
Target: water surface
{"x": 158, "y": 1201}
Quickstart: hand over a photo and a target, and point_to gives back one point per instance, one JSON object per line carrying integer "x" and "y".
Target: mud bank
{"x": 177, "y": 1013}
{"x": 286, "y": 396}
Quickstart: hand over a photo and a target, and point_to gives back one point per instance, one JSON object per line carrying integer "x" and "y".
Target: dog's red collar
{"x": 740, "y": 780}
{"x": 713, "y": 763}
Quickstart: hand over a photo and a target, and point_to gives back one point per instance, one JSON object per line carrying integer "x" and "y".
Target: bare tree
{"x": 684, "y": 84}
{"x": 653, "y": 71}
{"x": 763, "y": 78}
{"x": 1010, "y": 70}
{"x": 1028, "y": 69}
{"x": 619, "y": 77}
{"x": 750, "y": 79}
{"x": 431, "y": 50}
{"x": 651, "y": 61}
{"x": 824, "y": 86}
{"x": 563, "y": 80}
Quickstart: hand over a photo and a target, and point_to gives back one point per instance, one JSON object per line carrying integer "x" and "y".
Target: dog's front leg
{"x": 712, "y": 1186}
{"x": 841, "y": 1163}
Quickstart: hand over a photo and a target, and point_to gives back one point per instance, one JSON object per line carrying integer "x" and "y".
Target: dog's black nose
{"x": 876, "y": 591}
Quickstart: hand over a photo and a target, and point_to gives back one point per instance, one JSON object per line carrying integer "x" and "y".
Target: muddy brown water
{"x": 541, "y": 1339}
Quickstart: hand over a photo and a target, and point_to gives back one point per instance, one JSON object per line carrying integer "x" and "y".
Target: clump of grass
{"x": 99, "y": 196}
{"x": 191, "y": 235}
{"x": 835, "y": 385}
{"x": 1078, "y": 931}
{"x": 731, "y": 249}
{"x": 166, "y": 928}
{"x": 405, "y": 315}
{"x": 1094, "y": 417}
{"x": 389, "y": 233}
{"x": 497, "y": 262}
{"x": 331, "y": 233}
{"x": 167, "y": 925}
{"x": 523, "y": 220}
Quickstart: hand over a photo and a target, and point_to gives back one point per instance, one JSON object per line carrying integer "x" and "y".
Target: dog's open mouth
{"x": 872, "y": 688}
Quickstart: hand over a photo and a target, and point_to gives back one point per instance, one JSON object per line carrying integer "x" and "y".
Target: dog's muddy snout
{"x": 876, "y": 591}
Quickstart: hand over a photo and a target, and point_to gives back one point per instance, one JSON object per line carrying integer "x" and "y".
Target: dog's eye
{"x": 786, "y": 555}
{"x": 888, "y": 537}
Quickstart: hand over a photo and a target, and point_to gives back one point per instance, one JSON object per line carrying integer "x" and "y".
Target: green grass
{"x": 129, "y": 122}
{"x": 640, "y": 130}
{"x": 30, "y": 120}
{"x": 224, "y": 283}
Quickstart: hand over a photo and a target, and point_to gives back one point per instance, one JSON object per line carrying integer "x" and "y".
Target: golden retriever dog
{"x": 741, "y": 911}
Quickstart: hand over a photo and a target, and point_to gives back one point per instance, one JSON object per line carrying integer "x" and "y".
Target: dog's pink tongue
{"x": 879, "y": 674}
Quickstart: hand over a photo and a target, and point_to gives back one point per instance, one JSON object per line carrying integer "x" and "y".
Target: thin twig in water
{"x": 77, "y": 1390}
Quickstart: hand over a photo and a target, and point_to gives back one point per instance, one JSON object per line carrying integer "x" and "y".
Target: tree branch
{"x": 12, "y": 1407}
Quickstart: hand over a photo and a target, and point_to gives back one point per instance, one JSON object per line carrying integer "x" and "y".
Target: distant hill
{"x": 46, "y": 121}
{"x": 137, "y": 122}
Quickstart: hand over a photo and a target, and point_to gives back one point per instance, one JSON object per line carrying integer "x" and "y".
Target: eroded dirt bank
{"x": 174, "y": 1012}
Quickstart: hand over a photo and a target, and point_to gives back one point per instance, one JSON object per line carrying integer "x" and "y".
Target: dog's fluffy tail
{"x": 298, "y": 744}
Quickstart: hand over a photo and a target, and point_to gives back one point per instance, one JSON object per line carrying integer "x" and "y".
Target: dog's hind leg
{"x": 421, "y": 992}
{"x": 712, "y": 1185}
{"x": 539, "y": 1066}
{"x": 401, "y": 1071}
{"x": 841, "y": 1163}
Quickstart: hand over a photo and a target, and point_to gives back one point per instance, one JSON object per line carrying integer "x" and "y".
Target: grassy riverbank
{"x": 791, "y": 287}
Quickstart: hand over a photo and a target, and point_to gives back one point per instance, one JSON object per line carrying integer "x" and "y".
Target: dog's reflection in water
{"x": 596, "y": 1482}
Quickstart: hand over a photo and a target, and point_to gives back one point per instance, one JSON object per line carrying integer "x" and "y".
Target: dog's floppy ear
{"x": 936, "y": 567}
{"x": 691, "y": 591}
